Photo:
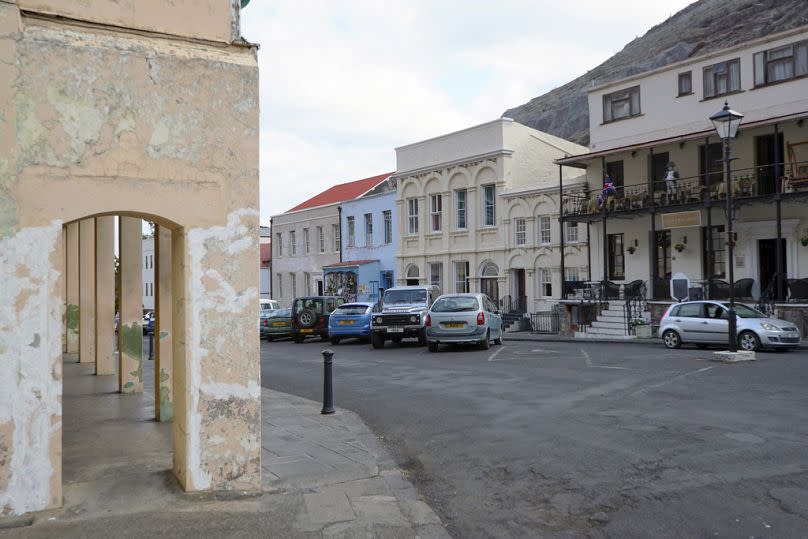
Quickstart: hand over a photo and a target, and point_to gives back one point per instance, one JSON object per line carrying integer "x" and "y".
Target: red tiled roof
{"x": 266, "y": 254}
{"x": 350, "y": 263}
{"x": 343, "y": 192}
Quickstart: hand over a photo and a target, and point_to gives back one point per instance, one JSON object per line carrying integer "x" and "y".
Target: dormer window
{"x": 622, "y": 104}
{"x": 722, "y": 78}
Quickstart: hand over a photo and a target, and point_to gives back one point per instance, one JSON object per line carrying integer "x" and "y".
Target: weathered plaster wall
{"x": 99, "y": 122}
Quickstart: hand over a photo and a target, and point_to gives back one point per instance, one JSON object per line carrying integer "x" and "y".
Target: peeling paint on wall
{"x": 30, "y": 376}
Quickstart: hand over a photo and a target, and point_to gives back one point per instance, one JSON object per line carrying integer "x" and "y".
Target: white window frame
{"x": 520, "y": 231}
{"x": 435, "y": 212}
{"x": 321, "y": 238}
{"x": 306, "y": 243}
{"x": 571, "y": 232}
{"x": 545, "y": 283}
{"x": 293, "y": 280}
{"x": 572, "y": 274}
{"x": 368, "y": 230}
{"x": 545, "y": 232}
{"x": 412, "y": 216}
{"x": 388, "y": 226}
{"x": 279, "y": 243}
{"x": 492, "y": 203}
{"x": 279, "y": 280}
{"x": 337, "y": 234}
{"x": 461, "y": 277}
{"x": 350, "y": 223}
{"x": 439, "y": 281}
{"x": 461, "y": 209}
{"x": 292, "y": 242}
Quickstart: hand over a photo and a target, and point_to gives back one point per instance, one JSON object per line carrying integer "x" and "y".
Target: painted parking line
{"x": 670, "y": 380}
{"x": 592, "y": 365}
{"x": 495, "y": 354}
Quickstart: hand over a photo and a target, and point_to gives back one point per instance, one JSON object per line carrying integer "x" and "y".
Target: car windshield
{"x": 350, "y": 308}
{"x": 455, "y": 304}
{"x": 393, "y": 297}
{"x": 312, "y": 304}
{"x": 746, "y": 312}
{"x": 280, "y": 313}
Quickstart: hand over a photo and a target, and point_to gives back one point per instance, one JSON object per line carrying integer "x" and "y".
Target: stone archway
{"x": 412, "y": 275}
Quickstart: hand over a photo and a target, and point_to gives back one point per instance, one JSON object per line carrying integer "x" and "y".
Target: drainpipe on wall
{"x": 339, "y": 216}
{"x": 271, "y": 258}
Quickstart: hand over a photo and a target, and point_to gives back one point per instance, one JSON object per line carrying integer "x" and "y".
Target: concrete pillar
{"x": 163, "y": 306}
{"x": 72, "y": 287}
{"x": 130, "y": 328}
{"x": 87, "y": 291}
{"x": 105, "y": 295}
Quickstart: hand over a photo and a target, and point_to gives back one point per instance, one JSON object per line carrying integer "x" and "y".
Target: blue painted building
{"x": 369, "y": 233}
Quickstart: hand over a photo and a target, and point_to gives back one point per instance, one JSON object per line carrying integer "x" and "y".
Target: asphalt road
{"x": 580, "y": 439}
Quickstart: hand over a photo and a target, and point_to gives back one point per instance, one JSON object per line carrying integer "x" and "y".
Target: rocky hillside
{"x": 701, "y": 27}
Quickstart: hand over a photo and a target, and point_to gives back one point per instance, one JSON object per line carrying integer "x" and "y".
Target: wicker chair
{"x": 720, "y": 289}
{"x": 743, "y": 288}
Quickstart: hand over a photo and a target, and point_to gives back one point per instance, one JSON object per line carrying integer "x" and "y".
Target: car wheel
{"x": 671, "y": 339}
{"x": 335, "y": 340}
{"x": 748, "y": 341}
{"x": 422, "y": 337}
{"x": 377, "y": 341}
{"x": 485, "y": 344}
{"x": 433, "y": 346}
{"x": 306, "y": 318}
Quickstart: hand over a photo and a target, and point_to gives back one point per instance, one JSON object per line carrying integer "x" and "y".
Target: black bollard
{"x": 328, "y": 391}
{"x": 151, "y": 346}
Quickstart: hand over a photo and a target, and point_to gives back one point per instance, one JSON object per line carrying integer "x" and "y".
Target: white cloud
{"x": 343, "y": 83}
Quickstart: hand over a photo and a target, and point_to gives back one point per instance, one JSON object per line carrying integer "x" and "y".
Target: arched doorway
{"x": 413, "y": 275}
{"x": 489, "y": 283}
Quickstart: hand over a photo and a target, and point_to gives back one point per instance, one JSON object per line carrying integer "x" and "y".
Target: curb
{"x": 550, "y": 338}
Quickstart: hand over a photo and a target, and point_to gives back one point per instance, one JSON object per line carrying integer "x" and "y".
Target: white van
{"x": 269, "y": 305}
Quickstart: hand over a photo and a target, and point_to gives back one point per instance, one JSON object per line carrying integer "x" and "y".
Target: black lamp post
{"x": 726, "y": 123}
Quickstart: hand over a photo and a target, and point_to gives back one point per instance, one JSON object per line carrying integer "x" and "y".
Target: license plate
{"x": 346, "y": 322}
{"x": 306, "y": 331}
{"x": 453, "y": 324}
{"x": 278, "y": 323}
{"x": 395, "y": 330}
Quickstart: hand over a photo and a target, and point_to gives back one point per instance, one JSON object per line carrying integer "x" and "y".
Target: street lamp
{"x": 726, "y": 123}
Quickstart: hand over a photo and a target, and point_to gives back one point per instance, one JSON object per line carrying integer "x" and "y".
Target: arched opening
{"x": 122, "y": 275}
{"x": 412, "y": 275}
{"x": 489, "y": 284}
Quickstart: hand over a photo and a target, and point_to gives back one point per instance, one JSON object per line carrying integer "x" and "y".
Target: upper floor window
{"x": 337, "y": 235}
{"x": 292, "y": 243}
{"x": 388, "y": 227}
{"x": 351, "y": 231}
{"x": 544, "y": 230}
{"x": 321, "y": 238}
{"x": 781, "y": 64}
{"x": 279, "y": 243}
{"x": 685, "y": 83}
{"x": 622, "y": 104}
{"x": 722, "y": 78}
{"x": 572, "y": 232}
{"x": 460, "y": 209}
{"x": 519, "y": 229}
{"x": 489, "y": 205}
{"x": 435, "y": 211}
{"x": 306, "y": 243}
{"x": 368, "y": 229}
{"x": 412, "y": 216}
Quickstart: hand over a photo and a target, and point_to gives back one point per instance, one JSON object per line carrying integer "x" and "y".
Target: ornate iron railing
{"x": 635, "y": 307}
{"x": 768, "y": 298}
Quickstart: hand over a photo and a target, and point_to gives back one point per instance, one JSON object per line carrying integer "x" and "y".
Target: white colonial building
{"x": 655, "y": 224}
{"x": 307, "y": 237}
{"x": 147, "y": 272}
{"x": 470, "y": 205}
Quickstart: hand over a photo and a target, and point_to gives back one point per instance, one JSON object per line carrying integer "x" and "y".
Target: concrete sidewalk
{"x": 324, "y": 476}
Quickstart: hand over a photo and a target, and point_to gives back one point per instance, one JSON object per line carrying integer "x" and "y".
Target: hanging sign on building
{"x": 681, "y": 219}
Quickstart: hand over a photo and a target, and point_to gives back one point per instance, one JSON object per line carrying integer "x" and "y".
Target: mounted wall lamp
{"x": 684, "y": 240}
{"x": 636, "y": 242}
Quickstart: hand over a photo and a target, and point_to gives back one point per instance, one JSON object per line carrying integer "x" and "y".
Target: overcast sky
{"x": 343, "y": 82}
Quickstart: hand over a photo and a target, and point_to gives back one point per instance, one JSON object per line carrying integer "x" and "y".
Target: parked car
{"x": 350, "y": 320}
{"x": 148, "y": 318}
{"x": 149, "y": 328}
{"x": 463, "y": 319}
{"x": 706, "y": 322}
{"x": 310, "y": 316}
{"x": 401, "y": 314}
{"x": 269, "y": 305}
{"x": 275, "y": 323}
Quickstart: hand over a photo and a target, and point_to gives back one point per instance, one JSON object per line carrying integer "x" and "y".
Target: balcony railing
{"x": 746, "y": 184}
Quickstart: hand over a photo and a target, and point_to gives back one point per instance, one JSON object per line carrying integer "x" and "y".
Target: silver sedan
{"x": 463, "y": 319}
{"x": 706, "y": 322}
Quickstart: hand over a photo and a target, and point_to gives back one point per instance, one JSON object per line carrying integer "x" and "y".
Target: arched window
{"x": 412, "y": 272}
{"x": 490, "y": 270}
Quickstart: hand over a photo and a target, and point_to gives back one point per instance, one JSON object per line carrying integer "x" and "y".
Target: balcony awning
{"x": 579, "y": 161}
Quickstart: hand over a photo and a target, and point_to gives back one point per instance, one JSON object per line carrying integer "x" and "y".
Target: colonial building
{"x": 470, "y": 206}
{"x": 653, "y": 142}
{"x": 370, "y": 236}
{"x": 148, "y": 273}
{"x": 307, "y": 237}
{"x": 265, "y": 264}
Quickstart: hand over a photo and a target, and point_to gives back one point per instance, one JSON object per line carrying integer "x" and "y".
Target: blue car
{"x": 350, "y": 320}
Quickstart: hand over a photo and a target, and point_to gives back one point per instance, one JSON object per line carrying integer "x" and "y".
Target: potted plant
{"x": 641, "y": 328}
{"x": 804, "y": 240}
{"x": 680, "y": 247}
{"x": 631, "y": 249}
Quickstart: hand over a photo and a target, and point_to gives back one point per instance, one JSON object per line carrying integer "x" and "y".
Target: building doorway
{"x": 767, "y": 260}
{"x": 319, "y": 287}
{"x": 413, "y": 276}
{"x": 519, "y": 291}
{"x": 765, "y": 159}
{"x": 662, "y": 264}
{"x": 489, "y": 284}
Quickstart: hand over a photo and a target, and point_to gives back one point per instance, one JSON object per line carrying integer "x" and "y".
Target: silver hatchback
{"x": 463, "y": 319}
{"x": 706, "y": 322}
